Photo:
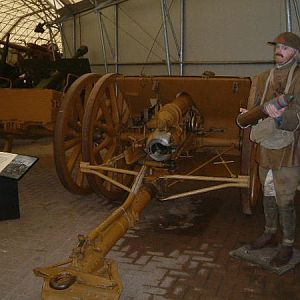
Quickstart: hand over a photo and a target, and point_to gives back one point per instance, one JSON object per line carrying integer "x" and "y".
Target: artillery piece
{"x": 138, "y": 137}
{"x": 9, "y": 73}
{"x": 29, "y": 106}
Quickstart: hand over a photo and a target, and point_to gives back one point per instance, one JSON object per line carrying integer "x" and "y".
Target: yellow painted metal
{"x": 88, "y": 275}
{"x": 84, "y": 165}
{"x": 28, "y": 111}
{"x": 103, "y": 285}
{"x": 171, "y": 114}
{"x": 217, "y": 98}
{"x": 107, "y": 178}
{"x": 207, "y": 189}
{"x": 238, "y": 182}
{"x": 239, "y": 179}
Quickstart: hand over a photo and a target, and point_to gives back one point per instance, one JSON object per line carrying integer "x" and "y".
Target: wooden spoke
{"x": 80, "y": 178}
{"x": 103, "y": 124}
{"x": 106, "y": 111}
{"x": 79, "y": 110}
{"x": 125, "y": 117}
{"x": 72, "y": 143}
{"x": 112, "y": 149}
{"x": 114, "y": 107}
{"x": 103, "y": 145}
{"x": 120, "y": 103}
{"x": 73, "y": 157}
{"x": 67, "y": 134}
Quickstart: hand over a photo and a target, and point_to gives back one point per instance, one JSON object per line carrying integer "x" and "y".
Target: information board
{"x": 14, "y": 166}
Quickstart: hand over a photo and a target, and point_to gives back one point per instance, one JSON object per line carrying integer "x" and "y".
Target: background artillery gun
{"x": 32, "y": 89}
{"x": 13, "y": 57}
{"x": 140, "y": 135}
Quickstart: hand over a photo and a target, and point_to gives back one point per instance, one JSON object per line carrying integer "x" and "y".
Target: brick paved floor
{"x": 179, "y": 250}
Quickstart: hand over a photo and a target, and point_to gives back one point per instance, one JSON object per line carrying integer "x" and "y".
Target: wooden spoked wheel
{"x": 105, "y": 120}
{"x": 249, "y": 167}
{"x": 67, "y": 134}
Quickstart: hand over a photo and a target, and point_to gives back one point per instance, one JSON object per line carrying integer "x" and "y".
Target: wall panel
{"x": 217, "y": 36}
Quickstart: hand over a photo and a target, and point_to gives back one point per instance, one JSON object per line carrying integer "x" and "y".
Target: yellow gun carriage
{"x": 137, "y": 138}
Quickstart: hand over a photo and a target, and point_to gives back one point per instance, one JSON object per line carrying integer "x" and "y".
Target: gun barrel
{"x": 81, "y": 51}
{"x": 14, "y": 46}
{"x": 58, "y": 76}
{"x": 166, "y": 137}
{"x": 171, "y": 114}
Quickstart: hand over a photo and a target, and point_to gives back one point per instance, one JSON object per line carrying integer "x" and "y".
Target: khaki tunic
{"x": 290, "y": 155}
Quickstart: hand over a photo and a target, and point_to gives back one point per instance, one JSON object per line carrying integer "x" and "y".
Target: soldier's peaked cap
{"x": 288, "y": 39}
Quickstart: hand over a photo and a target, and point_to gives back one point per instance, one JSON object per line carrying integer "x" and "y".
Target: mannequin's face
{"x": 283, "y": 54}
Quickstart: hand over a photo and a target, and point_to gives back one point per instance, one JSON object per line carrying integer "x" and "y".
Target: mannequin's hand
{"x": 273, "y": 112}
{"x": 243, "y": 110}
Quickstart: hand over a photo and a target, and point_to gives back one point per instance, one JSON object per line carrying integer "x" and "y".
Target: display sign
{"x": 14, "y": 166}
{"x": 5, "y": 159}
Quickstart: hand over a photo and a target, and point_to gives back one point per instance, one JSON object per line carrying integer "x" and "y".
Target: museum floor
{"x": 179, "y": 250}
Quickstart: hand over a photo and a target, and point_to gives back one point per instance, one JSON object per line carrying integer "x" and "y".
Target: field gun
{"x": 29, "y": 106}
{"x": 137, "y": 132}
{"x": 57, "y": 77}
{"x": 11, "y": 67}
{"x": 32, "y": 50}
{"x": 40, "y": 66}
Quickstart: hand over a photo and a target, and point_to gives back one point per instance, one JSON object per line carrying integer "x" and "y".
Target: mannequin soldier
{"x": 278, "y": 153}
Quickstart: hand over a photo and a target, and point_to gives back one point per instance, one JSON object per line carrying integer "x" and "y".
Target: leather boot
{"x": 282, "y": 257}
{"x": 266, "y": 239}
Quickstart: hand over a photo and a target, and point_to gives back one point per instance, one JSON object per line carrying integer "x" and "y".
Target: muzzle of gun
{"x": 252, "y": 116}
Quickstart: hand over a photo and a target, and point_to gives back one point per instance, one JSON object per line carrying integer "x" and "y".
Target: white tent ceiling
{"x": 19, "y": 19}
